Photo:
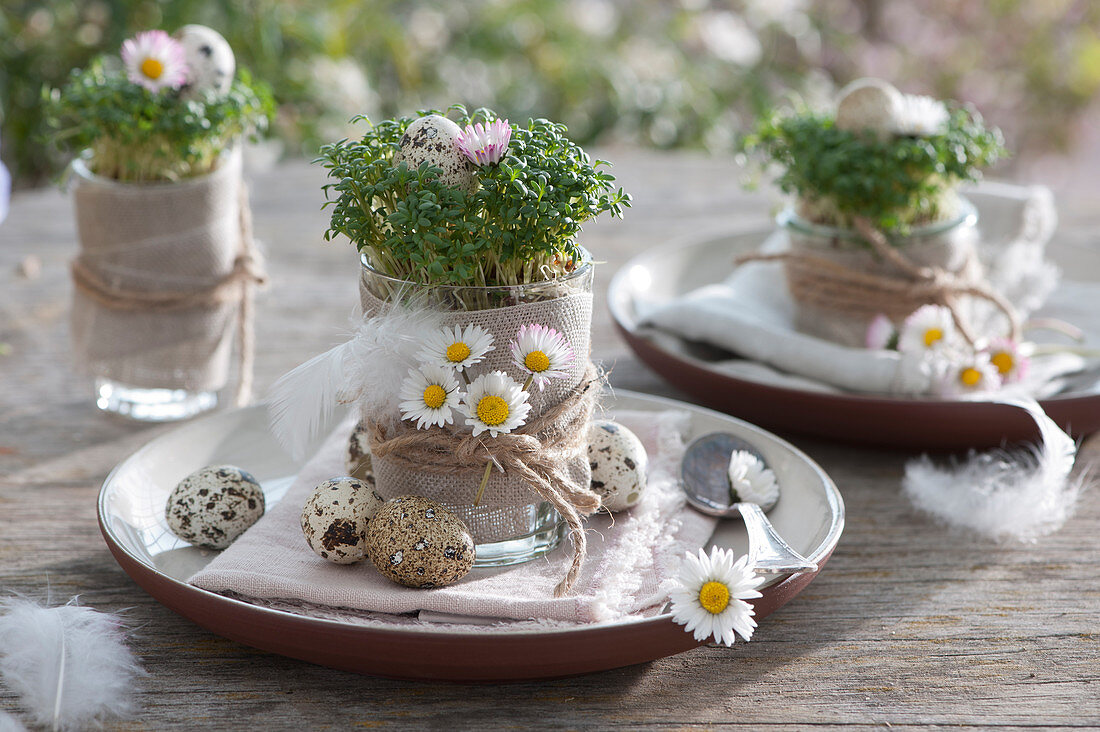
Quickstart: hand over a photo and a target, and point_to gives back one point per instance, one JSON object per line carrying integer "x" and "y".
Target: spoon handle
{"x": 768, "y": 553}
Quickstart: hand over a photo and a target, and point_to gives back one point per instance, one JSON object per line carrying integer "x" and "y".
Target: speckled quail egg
{"x": 357, "y": 458}
{"x": 432, "y": 139}
{"x": 210, "y": 60}
{"x": 868, "y": 104}
{"x": 213, "y": 506}
{"x": 335, "y": 517}
{"x": 417, "y": 542}
{"x": 618, "y": 461}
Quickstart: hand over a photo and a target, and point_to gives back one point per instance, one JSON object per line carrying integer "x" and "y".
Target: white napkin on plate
{"x": 751, "y": 314}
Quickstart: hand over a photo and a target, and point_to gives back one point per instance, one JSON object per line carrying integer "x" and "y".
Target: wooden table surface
{"x": 909, "y": 625}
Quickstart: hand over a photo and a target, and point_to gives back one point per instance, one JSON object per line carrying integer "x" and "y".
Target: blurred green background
{"x": 658, "y": 73}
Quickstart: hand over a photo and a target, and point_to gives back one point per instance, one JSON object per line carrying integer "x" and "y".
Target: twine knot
{"x": 538, "y": 453}
{"x": 832, "y": 285}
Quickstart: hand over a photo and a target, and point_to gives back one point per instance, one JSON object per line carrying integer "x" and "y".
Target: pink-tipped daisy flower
{"x": 485, "y": 145}
{"x": 543, "y": 353}
{"x": 1010, "y": 358}
{"x": 155, "y": 60}
{"x": 881, "y": 333}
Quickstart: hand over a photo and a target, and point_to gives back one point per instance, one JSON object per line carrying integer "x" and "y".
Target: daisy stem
{"x": 530, "y": 378}
{"x": 465, "y": 377}
{"x": 484, "y": 482}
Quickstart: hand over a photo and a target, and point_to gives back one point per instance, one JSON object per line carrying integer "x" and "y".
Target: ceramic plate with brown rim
{"x": 669, "y": 271}
{"x": 131, "y": 517}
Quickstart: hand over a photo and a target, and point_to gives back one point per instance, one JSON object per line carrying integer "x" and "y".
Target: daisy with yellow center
{"x": 709, "y": 593}
{"x": 155, "y": 60}
{"x": 929, "y": 328}
{"x": 495, "y": 403}
{"x": 457, "y": 348}
{"x": 429, "y": 394}
{"x": 1009, "y": 358}
{"x": 543, "y": 353}
{"x": 972, "y": 374}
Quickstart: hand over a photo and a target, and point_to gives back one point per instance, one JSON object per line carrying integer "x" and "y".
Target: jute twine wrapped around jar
{"x": 543, "y": 461}
{"x": 839, "y": 289}
{"x": 163, "y": 272}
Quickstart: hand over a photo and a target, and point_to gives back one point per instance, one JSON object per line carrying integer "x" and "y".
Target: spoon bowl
{"x": 704, "y": 474}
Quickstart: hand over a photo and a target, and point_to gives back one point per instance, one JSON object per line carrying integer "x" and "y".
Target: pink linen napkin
{"x": 629, "y": 554}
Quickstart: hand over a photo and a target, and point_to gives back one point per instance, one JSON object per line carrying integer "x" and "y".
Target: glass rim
{"x": 585, "y": 268}
{"x": 788, "y": 218}
{"x": 79, "y": 168}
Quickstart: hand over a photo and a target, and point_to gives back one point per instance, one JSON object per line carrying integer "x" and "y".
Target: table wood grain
{"x": 910, "y": 625}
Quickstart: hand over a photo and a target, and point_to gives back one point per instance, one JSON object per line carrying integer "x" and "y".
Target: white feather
{"x": 367, "y": 369}
{"x": 69, "y": 665}
{"x": 1022, "y": 493}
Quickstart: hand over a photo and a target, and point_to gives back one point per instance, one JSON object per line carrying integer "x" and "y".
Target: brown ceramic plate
{"x": 666, "y": 272}
{"x": 131, "y": 518}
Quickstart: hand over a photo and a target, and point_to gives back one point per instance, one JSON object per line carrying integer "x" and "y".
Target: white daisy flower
{"x": 929, "y": 328}
{"x": 880, "y": 333}
{"x": 543, "y": 353}
{"x": 155, "y": 60}
{"x": 457, "y": 348}
{"x": 920, "y": 116}
{"x": 429, "y": 394}
{"x": 708, "y": 596}
{"x": 1010, "y": 358}
{"x": 972, "y": 373}
{"x": 495, "y": 402}
{"x": 752, "y": 481}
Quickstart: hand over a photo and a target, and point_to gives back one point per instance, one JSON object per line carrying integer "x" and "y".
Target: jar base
{"x": 152, "y": 405}
{"x": 542, "y": 540}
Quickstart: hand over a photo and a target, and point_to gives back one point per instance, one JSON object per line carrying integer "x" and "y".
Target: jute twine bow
{"x": 536, "y": 453}
{"x": 238, "y": 285}
{"x": 841, "y": 287}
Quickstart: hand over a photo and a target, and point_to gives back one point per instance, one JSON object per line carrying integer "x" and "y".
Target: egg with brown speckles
{"x": 618, "y": 461}
{"x": 431, "y": 139}
{"x": 210, "y": 61}
{"x": 357, "y": 458}
{"x": 213, "y": 506}
{"x": 335, "y": 517}
{"x": 417, "y": 542}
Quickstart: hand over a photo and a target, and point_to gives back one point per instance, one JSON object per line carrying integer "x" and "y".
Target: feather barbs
{"x": 1021, "y": 493}
{"x": 69, "y": 664}
{"x": 367, "y": 369}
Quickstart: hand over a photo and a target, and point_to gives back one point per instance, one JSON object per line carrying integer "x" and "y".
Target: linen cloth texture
{"x": 832, "y": 305}
{"x": 630, "y": 554}
{"x": 508, "y": 507}
{"x": 158, "y": 238}
{"x": 751, "y": 315}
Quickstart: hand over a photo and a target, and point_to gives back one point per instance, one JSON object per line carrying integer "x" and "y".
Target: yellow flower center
{"x": 1003, "y": 361}
{"x": 152, "y": 68}
{"x": 536, "y": 361}
{"x": 931, "y": 336}
{"x": 714, "y": 597}
{"x": 434, "y": 396}
{"x": 458, "y": 352}
{"x": 492, "y": 410}
{"x": 970, "y": 376}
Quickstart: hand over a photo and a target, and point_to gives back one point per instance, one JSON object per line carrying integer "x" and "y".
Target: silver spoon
{"x": 704, "y": 472}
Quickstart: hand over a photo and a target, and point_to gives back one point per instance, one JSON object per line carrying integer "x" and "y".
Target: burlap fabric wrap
{"x": 163, "y": 272}
{"x": 836, "y": 303}
{"x": 508, "y": 507}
